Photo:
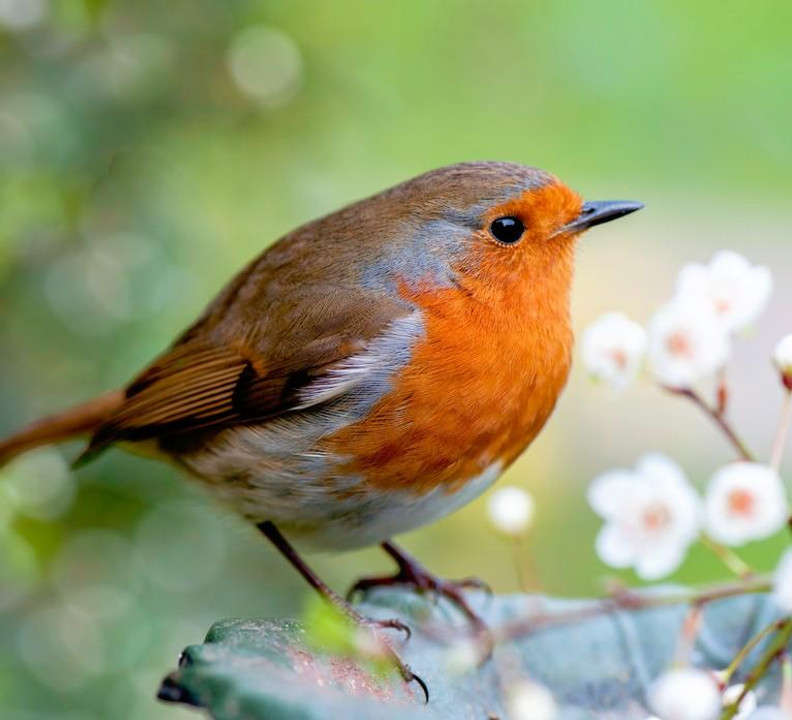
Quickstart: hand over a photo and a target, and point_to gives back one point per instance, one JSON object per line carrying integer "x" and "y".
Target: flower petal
{"x": 614, "y": 547}
{"x": 661, "y": 560}
{"x": 610, "y": 492}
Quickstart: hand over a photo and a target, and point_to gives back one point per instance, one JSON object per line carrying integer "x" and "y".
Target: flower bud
{"x": 528, "y": 700}
{"x": 613, "y": 349}
{"x": 782, "y": 357}
{"x": 685, "y": 694}
{"x": 747, "y": 705}
{"x": 510, "y": 510}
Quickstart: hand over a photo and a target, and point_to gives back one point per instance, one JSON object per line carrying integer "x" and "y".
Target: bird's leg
{"x": 285, "y": 548}
{"x": 412, "y": 572}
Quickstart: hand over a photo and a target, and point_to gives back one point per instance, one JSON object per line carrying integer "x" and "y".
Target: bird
{"x": 370, "y": 372}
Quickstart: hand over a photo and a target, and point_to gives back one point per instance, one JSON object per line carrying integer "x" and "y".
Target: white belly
{"x": 337, "y": 514}
{"x": 369, "y": 520}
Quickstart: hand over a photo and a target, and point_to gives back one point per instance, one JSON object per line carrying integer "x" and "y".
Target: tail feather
{"x": 75, "y": 422}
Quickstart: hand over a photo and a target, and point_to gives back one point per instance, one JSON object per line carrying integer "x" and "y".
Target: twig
{"x": 722, "y": 392}
{"x": 746, "y": 649}
{"x": 688, "y": 634}
{"x": 719, "y": 419}
{"x": 783, "y": 432}
{"x": 628, "y": 600}
{"x": 775, "y": 650}
{"x": 728, "y": 557}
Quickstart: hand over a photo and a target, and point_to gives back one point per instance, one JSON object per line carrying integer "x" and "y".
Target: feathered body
{"x": 374, "y": 369}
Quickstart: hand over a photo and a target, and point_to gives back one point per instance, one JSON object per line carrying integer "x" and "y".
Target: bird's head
{"x": 489, "y": 228}
{"x": 496, "y": 223}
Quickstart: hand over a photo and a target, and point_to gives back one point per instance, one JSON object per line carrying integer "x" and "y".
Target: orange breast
{"x": 479, "y": 387}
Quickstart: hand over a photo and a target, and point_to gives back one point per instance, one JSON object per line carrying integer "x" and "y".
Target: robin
{"x": 372, "y": 371}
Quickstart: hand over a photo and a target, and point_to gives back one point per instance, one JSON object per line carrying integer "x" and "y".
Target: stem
{"x": 728, "y": 557}
{"x": 722, "y": 392}
{"x": 627, "y": 600}
{"x": 521, "y": 581}
{"x": 746, "y": 649}
{"x": 687, "y": 637}
{"x": 775, "y": 649}
{"x": 717, "y": 418}
{"x": 783, "y": 432}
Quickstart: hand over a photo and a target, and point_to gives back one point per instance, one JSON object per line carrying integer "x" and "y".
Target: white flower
{"x": 528, "y": 700}
{"x": 782, "y": 357}
{"x": 685, "y": 694}
{"x": 686, "y": 343}
{"x": 748, "y": 704}
{"x": 651, "y": 516}
{"x": 744, "y": 501}
{"x": 782, "y": 583}
{"x": 613, "y": 347}
{"x": 510, "y": 510}
{"x": 738, "y": 291}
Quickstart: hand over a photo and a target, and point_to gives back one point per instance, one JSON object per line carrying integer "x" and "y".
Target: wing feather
{"x": 203, "y": 383}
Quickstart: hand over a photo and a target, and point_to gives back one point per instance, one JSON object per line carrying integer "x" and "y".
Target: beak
{"x": 601, "y": 211}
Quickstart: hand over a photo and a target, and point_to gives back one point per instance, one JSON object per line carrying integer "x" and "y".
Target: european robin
{"x": 373, "y": 370}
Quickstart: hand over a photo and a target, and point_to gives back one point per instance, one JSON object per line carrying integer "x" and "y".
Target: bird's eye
{"x": 507, "y": 230}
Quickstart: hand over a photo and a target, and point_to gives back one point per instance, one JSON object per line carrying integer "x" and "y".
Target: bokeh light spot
{"x": 62, "y": 648}
{"x": 41, "y": 484}
{"x": 19, "y": 570}
{"x": 265, "y": 64}
{"x": 93, "y": 558}
{"x": 22, "y": 14}
{"x": 180, "y": 547}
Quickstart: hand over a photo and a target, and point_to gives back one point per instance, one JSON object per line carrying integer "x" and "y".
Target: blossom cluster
{"x": 689, "y": 337}
{"x": 652, "y": 514}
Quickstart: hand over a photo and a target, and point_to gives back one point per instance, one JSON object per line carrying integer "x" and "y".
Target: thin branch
{"x": 688, "y": 634}
{"x": 722, "y": 392}
{"x": 775, "y": 650}
{"x": 628, "y": 600}
{"x": 746, "y": 650}
{"x": 718, "y": 418}
{"x": 728, "y": 557}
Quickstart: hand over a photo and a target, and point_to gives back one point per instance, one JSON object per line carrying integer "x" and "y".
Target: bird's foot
{"x": 371, "y": 626}
{"x": 413, "y": 574}
{"x": 375, "y": 626}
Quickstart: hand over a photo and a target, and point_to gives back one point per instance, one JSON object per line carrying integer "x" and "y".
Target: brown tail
{"x": 76, "y": 421}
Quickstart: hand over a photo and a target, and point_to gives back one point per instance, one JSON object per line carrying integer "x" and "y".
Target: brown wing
{"x": 212, "y": 379}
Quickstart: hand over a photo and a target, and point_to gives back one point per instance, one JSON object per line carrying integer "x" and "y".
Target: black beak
{"x": 601, "y": 211}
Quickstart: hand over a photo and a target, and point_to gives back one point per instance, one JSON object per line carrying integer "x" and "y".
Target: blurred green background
{"x": 149, "y": 149}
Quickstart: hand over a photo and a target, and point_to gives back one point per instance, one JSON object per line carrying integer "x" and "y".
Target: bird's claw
{"x": 388, "y": 624}
{"x": 410, "y": 676}
{"x": 474, "y": 583}
{"x": 424, "y": 582}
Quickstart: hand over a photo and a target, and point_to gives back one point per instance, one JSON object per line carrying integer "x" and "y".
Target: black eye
{"x": 507, "y": 230}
